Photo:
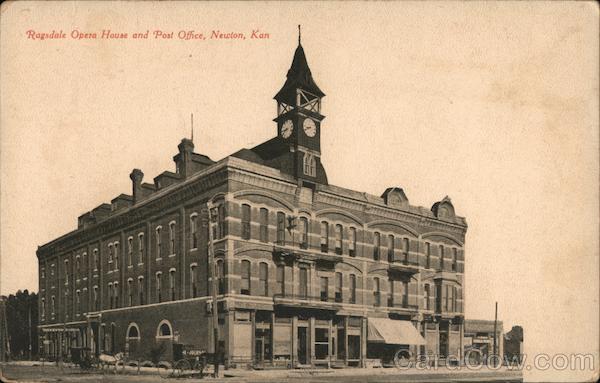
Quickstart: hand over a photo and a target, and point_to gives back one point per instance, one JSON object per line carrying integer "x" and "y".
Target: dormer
{"x": 394, "y": 197}
{"x": 444, "y": 209}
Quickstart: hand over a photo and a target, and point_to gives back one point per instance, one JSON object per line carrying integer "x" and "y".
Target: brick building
{"x": 307, "y": 273}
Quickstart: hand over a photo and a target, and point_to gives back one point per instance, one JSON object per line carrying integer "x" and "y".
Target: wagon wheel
{"x": 199, "y": 367}
{"x": 181, "y": 368}
{"x": 165, "y": 370}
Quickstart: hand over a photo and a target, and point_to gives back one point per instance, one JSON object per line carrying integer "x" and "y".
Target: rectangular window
{"x": 77, "y": 302}
{"x": 404, "y": 294}
{"x": 263, "y": 279}
{"x": 392, "y": 293}
{"x": 427, "y": 298}
{"x": 338, "y": 287}
{"x": 129, "y": 251}
{"x": 194, "y": 231}
{"x": 172, "y": 238}
{"x": 66, "y": 271}
{"x": 324, "y": 237}
{"x": 218, "y": 222}
{"x": 116, "y": 263}
{"x": 441, "y": 257}
{"x": 376, "y": 246}
{"x": 280, "y": 228}
{"x": 116, "y": 294}
{"x": 245, "y": 283}
{"x": 158, "y": 288}
{"x": 454, "y": 259}
{"x": 246, "y": 219}
{"x": 303, "y": 233}
{"x": 406, "y": 249}
{"x": 43, "y": 308}
{"x": 338, "y": 239}
{"x": 96, "y": 301}
{"x": 52, "y": 305}
{"x": 141, "y": 290}
{"x": 77, "y": 267}
{"x": 141, "y": 248}
{"x": 376, "y": 292}
{"x": 352, "y": 288}
{"x": 172, "y": 284}
{"x": 352, "y": 242}
{"x": 193, "y": 279}
{"x": 427, "y": 255}
{"x": 391, "y": 246}
{"x": 110, "y": 255}
{"x": 280, "y": 276}
{"x": 324, "y": 289}
{"x": 303, "y": 288}
{"x": 110, "y": 296}
{"x": 220, "y": 277}
{"x": 158, "y": 243}
{"x": 264, "y": 225}
{"x": 129, "y": 293}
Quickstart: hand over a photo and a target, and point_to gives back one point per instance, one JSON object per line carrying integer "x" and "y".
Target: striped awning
{"x": 390, "y": 331}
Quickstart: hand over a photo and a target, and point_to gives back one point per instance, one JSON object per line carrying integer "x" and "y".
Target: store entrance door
{"x": 302, "y": 349}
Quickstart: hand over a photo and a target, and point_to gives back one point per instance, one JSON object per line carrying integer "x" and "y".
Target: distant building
{"x": 479, "y": 339}
{"x": 308, "y": 273}
{"x": 513, "y": 344}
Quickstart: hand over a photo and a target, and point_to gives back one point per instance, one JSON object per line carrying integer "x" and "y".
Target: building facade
{"x": 306, "y": 273}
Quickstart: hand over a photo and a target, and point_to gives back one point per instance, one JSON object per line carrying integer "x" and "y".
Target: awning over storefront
{"x": 384, "y": 330}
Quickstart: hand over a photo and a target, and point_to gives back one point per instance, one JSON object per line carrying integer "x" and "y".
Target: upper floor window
{"x": 43, "y": 308}
{"x": 280, "y": 277}
{"x": 158, "y": 243}
{"x": 376, "y": 245}
{"x": 390, "y": 248}
{"x": 194, "y": 231}
{"x": 427, "y": 297}
{"x": 324, "y": 237}
{"x": 310, "y": 165}
{"x": 130, "y": 292}
{"x": 141, "y": 290}
{"x": 96, "y": 301}
{"x": 338, "y": 239}
{"x": 110, "y": 254}
{"x": 129, "y": 251}
{"x": 141, "y": 248}
{"x": 245, "y": 282}
{"x": 263, "y": 279}
{"x": 172, "y": 284}
{"x": 338, "y": 287}
{"x": 96, "y": 260}
{"x": 454, "y": 258}
{"x": 116, "y": 293}
{"x": 172, "y": 238}
{"x": 116, "y": 260}
{"x": 352, "y": 288}
{"x": 218, "y": 221}
{"x": 84, "y": 262}
{"x": 324, "y": 289}
{"x": 246, "y": 219}
{"x": 52, "y": 305}
{"x": 66, "y": 271}
{"x": 77, "y": 266}
{"x": 158, "y": 287}
{"x": 352, "y": 242}
{"x": 264, "y": 225}
{"x": 280, "y": 228}
{"x": 303, "y": 233}
{"x": 427, "y": 255}
{"x": 441, "y": 257}
{"x": 405, "y": 248}
{"x": 193, "y": 280}
{"x": 303, "y": 282}
{"x": 376, "y": 292}
{"x": 43, "y": 272}
{"x": 220, "y": 277}
{"x": 52, "y": 270}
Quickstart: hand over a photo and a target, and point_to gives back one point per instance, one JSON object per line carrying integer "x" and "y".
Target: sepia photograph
{"x": 299, "y": 191}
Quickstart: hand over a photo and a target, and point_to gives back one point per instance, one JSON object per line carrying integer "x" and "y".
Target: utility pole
{"x": 213, "y": 285}
{"x": 495, "y": 348}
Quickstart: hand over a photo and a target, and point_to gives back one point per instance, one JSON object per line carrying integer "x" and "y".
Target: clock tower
{"x": 299, "y": 117}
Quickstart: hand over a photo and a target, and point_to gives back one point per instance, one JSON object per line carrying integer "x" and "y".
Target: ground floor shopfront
{"x": 260, "y": 336}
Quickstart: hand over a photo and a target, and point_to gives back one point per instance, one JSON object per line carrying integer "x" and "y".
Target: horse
{"x": 110, "y": 360}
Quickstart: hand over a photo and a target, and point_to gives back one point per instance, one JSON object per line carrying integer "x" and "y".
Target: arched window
{"x": 158, "y": 243}
{"x": 172, "y": 238}
{"x": 338, "y": 239}
{"x": 427, "y": 255}
{"x": 193, "y": 280}
{"x": 172, "y": 284}
{"x": 246, "y": 221}
{"x": 324, "y": 237}
{"x": 352, "y": 288}
{"x": 194, "y": 230}
{"x": 391, "y": 246}
{"x": 310, "y": 165}
{"x": 164, "y": 330}
{"x": 352, "y": 242}
{"x": 133, "y": 332}
{"x": 376, "y": 245}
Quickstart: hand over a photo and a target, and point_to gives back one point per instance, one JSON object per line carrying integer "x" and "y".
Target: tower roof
{"x": 299, "y": 76}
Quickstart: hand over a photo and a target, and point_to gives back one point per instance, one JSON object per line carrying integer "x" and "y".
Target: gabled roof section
{"x": 299, "y": 76}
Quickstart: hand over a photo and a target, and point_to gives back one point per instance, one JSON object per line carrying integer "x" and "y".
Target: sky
{"x": 494, "y": 104}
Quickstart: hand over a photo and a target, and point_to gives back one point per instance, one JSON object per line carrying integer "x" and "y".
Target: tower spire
{"x": 299, "y": 34}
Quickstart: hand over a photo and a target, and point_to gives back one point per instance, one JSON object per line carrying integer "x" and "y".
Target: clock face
{"x": 309, "y": 127}
{"x": 287, "y": 128}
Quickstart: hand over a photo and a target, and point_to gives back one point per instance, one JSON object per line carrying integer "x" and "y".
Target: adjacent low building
{"x": 306, "y": 273}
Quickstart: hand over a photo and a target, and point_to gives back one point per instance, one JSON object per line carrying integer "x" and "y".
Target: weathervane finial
{"x": 299, "y": 34}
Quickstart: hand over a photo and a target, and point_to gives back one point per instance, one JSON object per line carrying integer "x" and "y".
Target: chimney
{"x": 136, "y": 177}
{"x": 184, "y": 158}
